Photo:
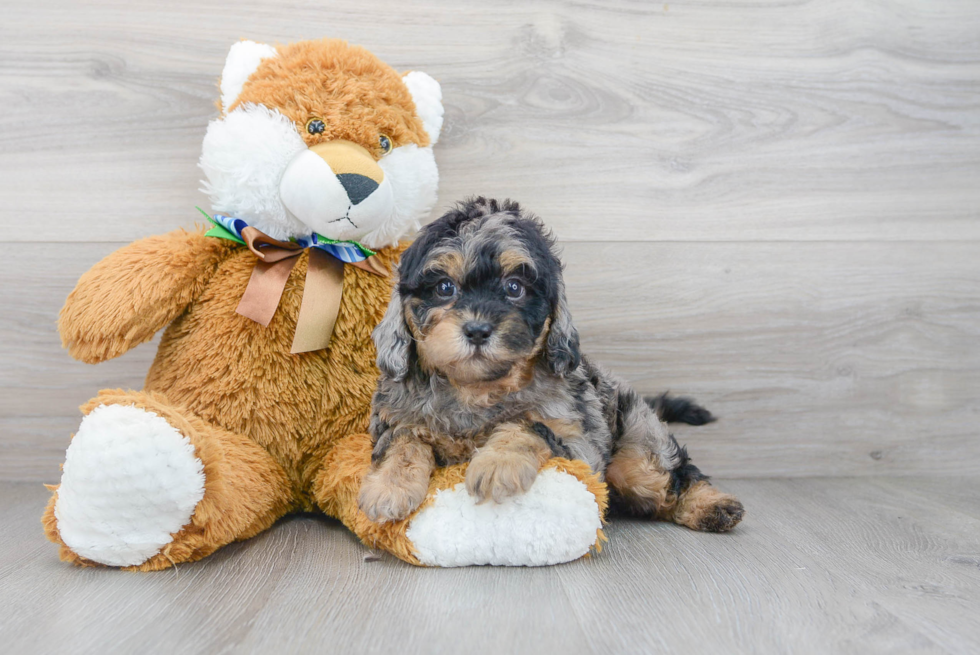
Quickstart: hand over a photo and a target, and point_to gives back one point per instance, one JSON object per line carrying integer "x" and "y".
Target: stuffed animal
{"x": 258, "y": 401}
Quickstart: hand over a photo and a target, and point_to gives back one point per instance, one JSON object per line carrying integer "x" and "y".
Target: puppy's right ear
{"x": 392, "y": 339}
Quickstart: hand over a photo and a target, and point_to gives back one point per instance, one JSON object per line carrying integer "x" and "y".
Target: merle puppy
{"x": 480, "y": 363}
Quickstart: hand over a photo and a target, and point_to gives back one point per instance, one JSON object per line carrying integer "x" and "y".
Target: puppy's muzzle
{"x": 323, "y": 184}
{"x": 477, "y": 332}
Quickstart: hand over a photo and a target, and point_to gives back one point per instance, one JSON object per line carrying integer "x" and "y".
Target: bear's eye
{"x": 445, "y": 288}
{"x": 384, "y": 142}
{"x": 514, "y": 288}
{"x": 315, "y": 126}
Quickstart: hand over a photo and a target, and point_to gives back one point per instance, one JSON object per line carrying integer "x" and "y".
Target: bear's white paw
{"x": 130, "y": 480}
{"x": 555, "y": 521}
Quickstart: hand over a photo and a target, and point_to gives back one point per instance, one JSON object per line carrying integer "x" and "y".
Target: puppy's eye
{"x": 445, "y": 288}
{"x": 315, "y": 126}
{"x": 514, "y": 288}
{"x": 384, "y": 142}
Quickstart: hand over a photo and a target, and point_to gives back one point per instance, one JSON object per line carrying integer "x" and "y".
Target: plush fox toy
{"x": 258, "y": 400}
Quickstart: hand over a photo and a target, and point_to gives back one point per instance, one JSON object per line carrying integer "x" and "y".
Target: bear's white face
{"x": 259, "y": 169}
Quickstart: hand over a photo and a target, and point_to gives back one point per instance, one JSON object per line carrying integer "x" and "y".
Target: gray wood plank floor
{"x": 820, "y": 565}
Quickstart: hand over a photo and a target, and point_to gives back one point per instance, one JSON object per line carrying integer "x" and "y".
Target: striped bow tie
{"x": 324, "y": 286}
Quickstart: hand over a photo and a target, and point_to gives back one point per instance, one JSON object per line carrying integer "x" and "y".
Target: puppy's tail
{"x": 678, "y": 410}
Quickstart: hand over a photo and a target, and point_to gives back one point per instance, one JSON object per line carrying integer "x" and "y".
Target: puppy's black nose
{"x": 477, "y": 332}
{"x": 358, "y": 187}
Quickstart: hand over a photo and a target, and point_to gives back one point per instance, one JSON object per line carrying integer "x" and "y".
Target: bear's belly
{"x": 239, "y": 375}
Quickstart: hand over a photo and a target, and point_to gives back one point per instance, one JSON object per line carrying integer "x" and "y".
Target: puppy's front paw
{"x": 499, "y": 475}
{"x": 383, "y": 501}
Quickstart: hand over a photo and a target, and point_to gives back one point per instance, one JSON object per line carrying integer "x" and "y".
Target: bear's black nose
{"x": 358, "y": 187}
{"x": 477, "y": 332}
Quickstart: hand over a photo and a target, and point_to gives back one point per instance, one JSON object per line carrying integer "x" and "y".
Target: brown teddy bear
{"x": 258, "y": 400}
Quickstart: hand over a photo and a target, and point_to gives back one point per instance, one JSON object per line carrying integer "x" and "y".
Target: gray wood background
{"x": 771, "y": 205}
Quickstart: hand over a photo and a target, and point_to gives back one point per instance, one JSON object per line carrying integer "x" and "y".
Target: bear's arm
{"x": 127, "y": 297}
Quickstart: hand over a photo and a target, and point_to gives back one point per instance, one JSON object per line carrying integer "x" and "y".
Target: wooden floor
{"x": 820, "y": 565}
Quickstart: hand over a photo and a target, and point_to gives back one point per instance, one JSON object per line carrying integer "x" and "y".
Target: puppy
{"x": 480, "y": 363}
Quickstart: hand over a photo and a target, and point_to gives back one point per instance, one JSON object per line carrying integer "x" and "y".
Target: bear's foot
{"x": 148, "y": 485}
{"x": 559, "y": 519}
{"x": 556, "y": 520}
{"x": 130, "y": 481}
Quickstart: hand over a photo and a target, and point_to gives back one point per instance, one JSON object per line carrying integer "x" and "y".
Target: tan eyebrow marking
{"x": 450, "y": 262}
{"x": 512, "y": 260}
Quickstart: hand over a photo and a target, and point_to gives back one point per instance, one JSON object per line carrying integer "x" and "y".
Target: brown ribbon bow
{"x": 321, "y": 295}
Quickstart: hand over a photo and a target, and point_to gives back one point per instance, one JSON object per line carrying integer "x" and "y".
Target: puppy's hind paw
{"x": 723, "y": 516}
{"x": 500, "y": 475}
{"x": 383, "y": 502}
{"x": 702, "y": 507}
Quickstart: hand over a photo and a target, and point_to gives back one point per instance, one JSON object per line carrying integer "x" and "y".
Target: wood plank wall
{"x": 771, "y": 205}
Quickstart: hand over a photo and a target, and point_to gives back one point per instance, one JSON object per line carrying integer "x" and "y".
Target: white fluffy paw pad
{"x": 130, "y": 480}
{"x": 554, "y": 522}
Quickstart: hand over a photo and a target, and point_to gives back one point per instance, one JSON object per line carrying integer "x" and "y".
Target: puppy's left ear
{"x": 392, "y": 339}
{"x": 561, "y": 347}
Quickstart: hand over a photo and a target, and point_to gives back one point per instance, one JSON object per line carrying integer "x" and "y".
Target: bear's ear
{"x": 243, "y": 58}
{"x": 427, "y": 95}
